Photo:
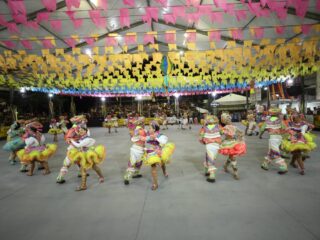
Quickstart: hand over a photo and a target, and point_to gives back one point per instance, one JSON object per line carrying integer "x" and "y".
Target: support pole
{"x": 303, "y": 102}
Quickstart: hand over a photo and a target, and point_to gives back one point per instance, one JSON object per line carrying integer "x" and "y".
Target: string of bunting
{"x": 195, "y": 71}
{"x": 170, "y": 37}
{"x": 191, "y": 12}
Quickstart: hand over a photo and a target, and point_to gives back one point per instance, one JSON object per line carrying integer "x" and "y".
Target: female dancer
{"x": 81, "y": 151}
{"x": 211, "y": 137}
{"x": 233, "y": 144}
{"x": 63, "y": 124}
{"x": 276, "y": 128}
{"x": 158, "y": 152}
{"x": 138, "y": 139}
{"x": 299, "y": 141}
{"x": 54, "y": 129}
{"x": 108, "y": 122}
{"x": 15, "y": 141}
{"x": 35, "y": 150}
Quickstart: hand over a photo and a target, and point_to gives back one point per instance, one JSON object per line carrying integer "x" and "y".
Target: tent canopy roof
{"x": 232, "y": 99}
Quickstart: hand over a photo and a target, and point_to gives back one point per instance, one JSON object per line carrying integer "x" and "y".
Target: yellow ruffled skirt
{"x": 55, "y": 131}
{"x": 36, "y": 155}
{"x": 163, "y": 158}
{"x": 310, "y": 145}
{"x": 95, "y": 155}
{"x": 245, "y": 123}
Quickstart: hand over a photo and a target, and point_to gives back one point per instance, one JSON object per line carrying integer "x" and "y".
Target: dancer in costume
{"x": 55, "y": 129}
{"x": 276, "y": 128}
{"x": 114, "y": 120}
{"x": 250, "y": 130}
{"x": 82, "y": 152}
{"x": 108, "y": 122}
{"x": 15, "y": 141}
{"x": 232, "y": 145}
{"x": 185, "y": 122}
{"x": 300, "y": 141}
{"x": 158, "y": 152}
{"x": 164, "y": 120}
{"x": 210, "y": 135}
{"x": 138, "y": 139}
{"x": 130, "y": 124}
{"x": 63, "y": 124}
{"x": 35, "y": 149}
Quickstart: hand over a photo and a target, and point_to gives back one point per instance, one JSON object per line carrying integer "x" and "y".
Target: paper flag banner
{"x": 124, "y": 17}
{"x": 26, "y": 44}
{"x": 130, "y": 3}
{"x": 50, "y": 5}
{"x": 56, "y": 25}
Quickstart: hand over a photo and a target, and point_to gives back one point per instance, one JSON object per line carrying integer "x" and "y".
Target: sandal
{"x": 101, "y": 180}
{"x": 154, "y": 187}
{"x": 80, "y": 188}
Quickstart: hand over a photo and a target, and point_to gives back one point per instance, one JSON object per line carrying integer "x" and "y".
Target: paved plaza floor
{"x": 261, "y": 205}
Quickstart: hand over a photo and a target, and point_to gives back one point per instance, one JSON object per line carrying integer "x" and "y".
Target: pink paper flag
{"x": 148, "y": 38}
{"x": 124, "y": 17}
{"x": 102, "y": 4}
{"x": 216, "y": 17}
{"x": 220, "y": 3}
{"x": 274, "y": 5}
{"x": 237, "y": 34}
{"x": 71, "y": 42}
{"x": 56, "y": 25}
{"x": 230, "y": 8}
{"x": 241, "y": 15}
{"x": 77, "y": 23}
{"x": 3, "y": 21}
{"x": 130, "y": 39}
{"x": 130, "y": 3}
{"x": 89, "y": 41}
{"x": 193, "y": 17}
{"x": 301, "y": 8}
{"x": 164, "y": 3}
{"x": 264, "y": 13}
{"x": 254, "y": 8}
{"x": 70, "y": 14}
{"x": 51, "y": 5}
{"x": 305, "y": 28}
{"x": 263, "y": 2}
{"x": 72, "y": 3}
{"x": 111, "y": 41}
{"x": 26, "y": 44}
{"x": 282, "y": 13}
{"x": 43, "y": 16}
{"x": 318, "y": 5}
{"x": 170, "y": 37}
{"x": 17, "y": 7}
{"x": 9, "y": 44}
{"x": 178, "y": 11}
{"x": 214, "y": 36}
{"x": 97, "y": 19}
{"x": 147, "y": 19}
{"x": 46, "y": 43}
{"x": 32, "y": 24}
{"x": 12, "y": 28}
{"x": 19, "y": 18}
{"x": 205, "y": 9}
{"x": 258, "y": 32}
{"x": 152, "y": 12}
{"x": 194, "y": 3}
{"x": 169, "y": 18}
{"x": 191, "y": 36}
{"x": 280, "y": 30}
